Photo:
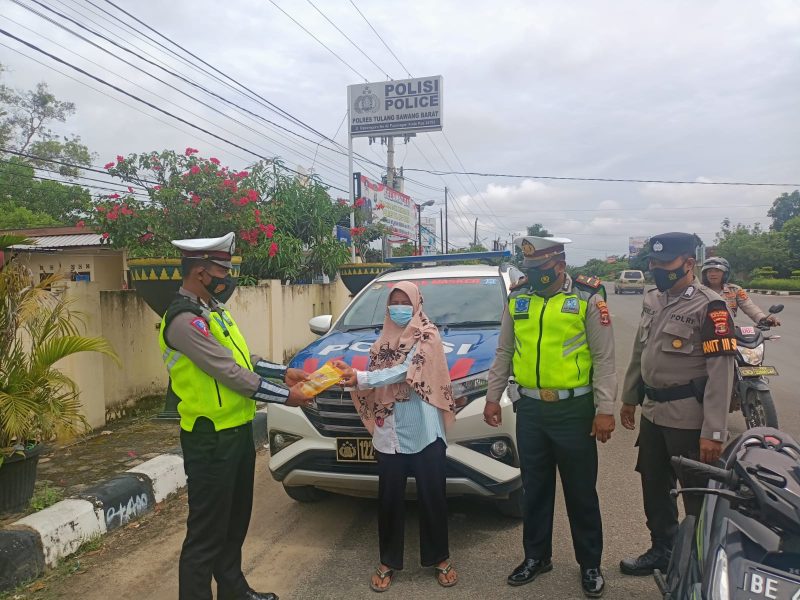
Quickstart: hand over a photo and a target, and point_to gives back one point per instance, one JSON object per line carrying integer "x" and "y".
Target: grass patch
{"x": 46, "y": 496}
{"x": 784, "y": 285}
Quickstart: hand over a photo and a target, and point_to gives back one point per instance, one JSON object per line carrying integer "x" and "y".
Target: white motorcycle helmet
{"x": 716, "y": 262}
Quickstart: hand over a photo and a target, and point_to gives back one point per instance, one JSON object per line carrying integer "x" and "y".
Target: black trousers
{"x": 558, "y": 434}
{"x": 428, "y": 468}
{"x": 657, "y": 444}
{"x": 219, "y": 468}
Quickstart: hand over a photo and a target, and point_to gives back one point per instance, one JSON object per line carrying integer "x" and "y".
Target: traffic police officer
{"x": 715, "y": 274}
{"x": 681, "y": 371}
{"x": 557, "y": 342}
{"x": 218, "y": 382}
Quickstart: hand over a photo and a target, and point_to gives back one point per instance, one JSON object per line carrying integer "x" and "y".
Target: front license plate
{"x": 355, "y": 449}
{"x": 761, "y": 584}
{"x": 757, "y": 371}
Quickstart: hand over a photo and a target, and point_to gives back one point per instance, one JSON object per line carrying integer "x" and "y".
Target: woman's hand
{"x": 349, "y": 374}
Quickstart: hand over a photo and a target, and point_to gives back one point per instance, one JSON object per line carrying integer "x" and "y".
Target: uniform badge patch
{"x": 689, "y": 292}
{"x": 571, "y": 306}
{"x": 605, "y": 317}
{"x": 522, "y": 305}
{"x": 201, "y": 326}
{"x": 677, "y": 344}
{"x": 720, "y": 319}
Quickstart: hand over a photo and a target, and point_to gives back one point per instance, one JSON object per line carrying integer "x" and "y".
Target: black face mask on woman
{"x": 666, "y": 278}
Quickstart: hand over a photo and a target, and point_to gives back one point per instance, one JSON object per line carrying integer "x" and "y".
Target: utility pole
{"x": 441, "y": 229}
{"x": 387, "y": 247}
{"x": 446, "y": 222}
{"x": 475, "y": 241}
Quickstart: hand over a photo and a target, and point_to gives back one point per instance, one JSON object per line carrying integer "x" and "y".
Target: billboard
{"x": 394, "y": 209}
{"x": 635, "y": 244}
{"x": 430, "y": 241}
{"x": 395, "y": 107}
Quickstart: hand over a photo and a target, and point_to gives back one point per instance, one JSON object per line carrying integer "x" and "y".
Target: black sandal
{"x": 387, "y": 574}
{"x": 444, "y": 571}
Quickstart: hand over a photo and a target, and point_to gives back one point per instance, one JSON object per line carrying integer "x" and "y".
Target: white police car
{"x": 325, "y": 448}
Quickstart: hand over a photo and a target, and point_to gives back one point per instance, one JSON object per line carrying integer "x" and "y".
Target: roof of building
{"x": 56, "y": 238}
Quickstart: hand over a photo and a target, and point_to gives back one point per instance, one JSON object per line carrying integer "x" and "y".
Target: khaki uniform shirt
{"x": 599, "y": 337}
{"x": 217, "y": 361}
{"x": 681, "y": 338}
{"x": 737, "y": 298}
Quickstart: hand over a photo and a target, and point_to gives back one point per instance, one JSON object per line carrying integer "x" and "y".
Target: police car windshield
{"x": 452, "y": 301}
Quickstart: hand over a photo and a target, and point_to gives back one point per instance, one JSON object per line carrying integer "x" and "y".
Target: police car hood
{"x": 468, "y": 351}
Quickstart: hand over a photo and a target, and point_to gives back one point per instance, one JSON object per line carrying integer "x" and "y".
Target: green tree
{"x": 640, "y": 262}
{"x": 785, "y": 207}
{"x": 25, "y": 121}
{"x": 748, "y": 248}
{"x": 538, "y": 229}
{"x": 791, "y": 231}
{"x": 37, "y": 202}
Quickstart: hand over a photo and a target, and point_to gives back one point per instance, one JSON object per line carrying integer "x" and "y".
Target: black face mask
{"x": 221, "y": 287}
{"x": 541, "y": 279}
{"x": 665, "y": 278}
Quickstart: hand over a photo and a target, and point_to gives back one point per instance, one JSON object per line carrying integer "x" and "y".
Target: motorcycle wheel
{"x": 759, "y": 409}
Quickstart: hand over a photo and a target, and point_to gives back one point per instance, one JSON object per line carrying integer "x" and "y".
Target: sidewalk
{"x": 67, "y": 471}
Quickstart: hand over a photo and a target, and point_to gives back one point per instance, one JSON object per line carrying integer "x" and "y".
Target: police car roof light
{"x": 440, "y": 258}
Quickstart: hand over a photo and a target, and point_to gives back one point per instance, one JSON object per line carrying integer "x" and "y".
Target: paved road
{"x": 328, "y": 550}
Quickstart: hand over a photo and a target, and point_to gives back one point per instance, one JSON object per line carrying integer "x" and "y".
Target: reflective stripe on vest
{"x": 551, "y": 350}
{"x": 200, "y": 394}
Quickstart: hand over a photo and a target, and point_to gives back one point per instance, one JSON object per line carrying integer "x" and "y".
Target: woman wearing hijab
{"x": 405, "y": 400}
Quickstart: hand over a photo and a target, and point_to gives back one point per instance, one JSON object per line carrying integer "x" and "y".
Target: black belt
{"x": 694, "y": 389}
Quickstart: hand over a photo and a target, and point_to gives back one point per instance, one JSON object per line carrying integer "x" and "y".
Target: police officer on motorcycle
{"x": 681, "y": 372}
{"x": 716, "y": 272}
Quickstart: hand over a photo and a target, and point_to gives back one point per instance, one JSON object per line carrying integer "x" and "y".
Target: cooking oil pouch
{"x": 321, "y": 379}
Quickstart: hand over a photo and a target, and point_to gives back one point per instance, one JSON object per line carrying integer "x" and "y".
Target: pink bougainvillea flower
{"x": 252, "y": 195}
{"x": 112, "y": 215}
{"x": 156, "y": 187}
{"x": 242, "y": 174}
{"x": 109, "y": 165}
{"x": 80, "y": 224}
{"x": 273, "y": 249}
{"x": 213, "y": 160}
{"x": 190, "y": 151}
{"x": 130, "y": 189}
{"x": 194, "y": 170}
{"x": 257, "y": 214}
{"x": 101, "y": 209}
{"x": 360, "y": 202}
{"x": 120, "y": 158}
{"x": 270, "y": 231}
{"x": 195, "y": 199}
{"x": 126, "y": 211}
{"x": 146, "y": 237}
{"x": 114, "y": 196}
{"x": 104, "y": 236}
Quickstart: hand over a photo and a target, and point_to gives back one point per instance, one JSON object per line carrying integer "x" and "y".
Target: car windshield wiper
{"x": 363, "y": 327}
{"x": 460, "y": 324}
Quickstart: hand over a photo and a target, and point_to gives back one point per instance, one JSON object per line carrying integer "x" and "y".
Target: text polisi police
{"x": 414, "y": 94}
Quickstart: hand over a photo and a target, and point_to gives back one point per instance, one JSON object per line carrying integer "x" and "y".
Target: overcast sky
{"x": 679, "y": 90}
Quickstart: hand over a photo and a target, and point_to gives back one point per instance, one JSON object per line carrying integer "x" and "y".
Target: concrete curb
{"x": 773, "y": 292}
{"x": 41, "y": 539}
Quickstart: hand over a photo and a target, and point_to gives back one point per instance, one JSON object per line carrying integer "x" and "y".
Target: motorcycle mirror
{"x": 775, "y": 308}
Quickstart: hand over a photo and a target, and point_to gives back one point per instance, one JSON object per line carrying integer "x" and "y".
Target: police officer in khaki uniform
{"x": 681, "y": 372}
{"x": 557, "y": 342}
{"x": 218, "y": 382}
{"x": 715, "y": 274}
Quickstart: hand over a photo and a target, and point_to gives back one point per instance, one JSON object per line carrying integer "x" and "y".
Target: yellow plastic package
{"x": 321, "y": 379}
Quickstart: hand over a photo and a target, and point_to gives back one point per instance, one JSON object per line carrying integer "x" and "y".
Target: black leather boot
{"x": 592, "y": 582}
{"x": 657, "y": 557}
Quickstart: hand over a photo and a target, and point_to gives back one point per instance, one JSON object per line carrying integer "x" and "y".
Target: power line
{"x": 323, "y": 44}
{"x": 380, "y": 38}
{"x": 347, "y": 37}
{"x": 150, "y": 104}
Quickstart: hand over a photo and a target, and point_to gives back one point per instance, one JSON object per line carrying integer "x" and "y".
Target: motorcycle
{"x": 751, "y": 391}
{"x": 746, "y": 542}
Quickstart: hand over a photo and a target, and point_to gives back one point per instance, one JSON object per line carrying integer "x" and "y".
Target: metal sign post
{"x": 351, "y": 198}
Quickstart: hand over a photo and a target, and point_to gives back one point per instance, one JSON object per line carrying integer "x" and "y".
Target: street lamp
{"x": 419, "y": 223}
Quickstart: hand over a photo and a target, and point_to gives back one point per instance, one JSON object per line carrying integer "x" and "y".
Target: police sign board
{"x": 395, "y": 107}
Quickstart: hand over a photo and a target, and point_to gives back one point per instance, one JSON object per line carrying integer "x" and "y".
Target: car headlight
{"x": 719, "y": 581}
{"x": 469, "y": 388}
{"x": 499, "y": 448}
{"x": 752, "y": 356}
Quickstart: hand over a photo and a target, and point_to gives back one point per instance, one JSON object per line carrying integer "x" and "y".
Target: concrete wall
{"x": 105, "y": 267}
{"x": 274, "y": 319}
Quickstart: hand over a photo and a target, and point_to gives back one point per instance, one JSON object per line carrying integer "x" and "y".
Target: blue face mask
{"x": 401, "y": 313}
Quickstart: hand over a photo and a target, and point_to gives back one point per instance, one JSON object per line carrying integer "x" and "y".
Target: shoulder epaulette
{"x": 592, "y": 282}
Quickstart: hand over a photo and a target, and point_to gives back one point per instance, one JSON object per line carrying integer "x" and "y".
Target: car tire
{"x": 304, "y": 493}
{"x": 511, "y": 506}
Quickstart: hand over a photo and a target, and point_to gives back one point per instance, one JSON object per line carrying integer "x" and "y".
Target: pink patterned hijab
{"x": 428, "y": 375}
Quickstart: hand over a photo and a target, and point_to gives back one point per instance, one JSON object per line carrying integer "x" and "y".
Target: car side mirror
{"x": 320, "y": 325}
{"x": 775, "y": 308}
